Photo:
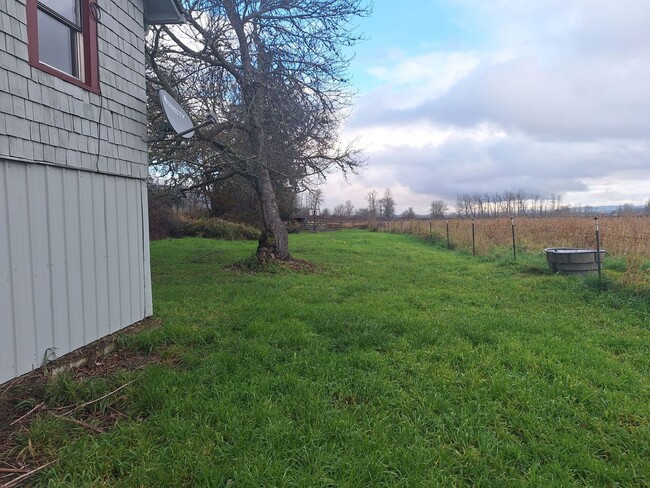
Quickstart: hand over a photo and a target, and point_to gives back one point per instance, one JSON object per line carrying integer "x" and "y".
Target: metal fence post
{"x": 514, "y": 246}
{"x": 598, "y": 248}
{"x": 473, "y": 240}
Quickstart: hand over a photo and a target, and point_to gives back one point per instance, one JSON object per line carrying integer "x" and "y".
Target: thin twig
{"x": 11, "y": 384}
{"x": 100, "y": 398}
{"x": 118, "y": 413}
{"x": 14, "y": 470}
{"x": 22, "y": 477}
{"x": 27, "y": 414}
{"x": 24, "y": 379}
{"x": 78, "y": 422}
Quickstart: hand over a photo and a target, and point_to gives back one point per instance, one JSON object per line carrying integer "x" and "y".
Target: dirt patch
{"x": 300, "y": 265}
{"x": 252, "y": 265}
{"x": 24, "y": 399}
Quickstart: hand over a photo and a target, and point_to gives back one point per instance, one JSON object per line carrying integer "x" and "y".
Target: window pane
{"x": 66, "y": 8}
{"x": 56, "y": 44}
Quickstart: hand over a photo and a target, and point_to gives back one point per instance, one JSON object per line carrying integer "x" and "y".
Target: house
{"x": 74, "y": 246}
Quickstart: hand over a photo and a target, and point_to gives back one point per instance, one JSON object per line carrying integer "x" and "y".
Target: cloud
{"x": 427, "y": 75}
{"x": 465, "y": 164}
{"x": 553, "y": 29}
{"x": 555, "y": 100}
{"x": 568, "y": 102}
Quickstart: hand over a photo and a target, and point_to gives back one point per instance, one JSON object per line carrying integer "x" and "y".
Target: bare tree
{"x": 509, "y": 202}
{"x": 626, "y": 209}
{"x": 388, "y": 204}
{"x": 408, "y": 214}
{"x": 348, "y": 209}
{"x": 465, "y": 205}
{"x": 478, "y": 201}
{"x": 438, "y": 209}
{"x": 522, "y": 202}
{"x": 274, "y": 73}
{"x": 459, "y": 205}
{"x": 556, "y": 203}
{"x": 314, "y": 201}
{"x": 488, "y": 203}
{"x": 371, "y": 198}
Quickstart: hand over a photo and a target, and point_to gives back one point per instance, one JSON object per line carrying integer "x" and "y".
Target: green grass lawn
{"x": 395, "y": 364}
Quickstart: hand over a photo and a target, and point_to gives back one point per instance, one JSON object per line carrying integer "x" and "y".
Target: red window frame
{"x": 90, "y": 47}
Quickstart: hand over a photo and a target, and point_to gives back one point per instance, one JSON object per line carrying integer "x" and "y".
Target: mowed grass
{"x": 396, "y": 364}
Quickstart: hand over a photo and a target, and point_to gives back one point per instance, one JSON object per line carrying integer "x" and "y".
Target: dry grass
{"x": 620, "y": 236}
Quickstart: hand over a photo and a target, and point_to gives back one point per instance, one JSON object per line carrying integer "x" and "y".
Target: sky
{"x": 475, "y": 96}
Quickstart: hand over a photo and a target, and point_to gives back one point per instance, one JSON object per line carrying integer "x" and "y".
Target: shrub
{"x": 216, "y": 228}
{"x": 162, "y": 221}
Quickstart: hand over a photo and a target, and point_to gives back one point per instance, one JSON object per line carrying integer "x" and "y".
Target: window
{"x": 62, "y": 40}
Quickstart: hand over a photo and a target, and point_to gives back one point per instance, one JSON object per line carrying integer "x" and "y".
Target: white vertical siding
{"x": 146, "y": 279}
{"x": 74, "y": 261}
{"x": 40, "y": 259}
{"x": 8, "y": 338}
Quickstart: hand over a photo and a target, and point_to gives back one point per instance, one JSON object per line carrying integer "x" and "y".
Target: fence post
{"x": 473, "y": 240}
{"x": 598, "y": 248}
{"x": 431, "y": 227}
{"x": 514, "y": 246}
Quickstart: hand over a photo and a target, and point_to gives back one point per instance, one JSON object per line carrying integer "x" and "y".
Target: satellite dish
{"x": 176, "y": 116}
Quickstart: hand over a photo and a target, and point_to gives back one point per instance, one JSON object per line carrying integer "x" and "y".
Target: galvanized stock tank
{"x": 569, "y": 260}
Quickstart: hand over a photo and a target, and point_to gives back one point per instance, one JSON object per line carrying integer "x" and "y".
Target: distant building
{"x": 74, "y": 246}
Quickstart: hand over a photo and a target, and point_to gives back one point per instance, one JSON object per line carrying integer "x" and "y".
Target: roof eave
{"x": 163, "y": 12}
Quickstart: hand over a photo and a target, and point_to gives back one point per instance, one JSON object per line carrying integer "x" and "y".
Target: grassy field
{"x": 394, "y": 363}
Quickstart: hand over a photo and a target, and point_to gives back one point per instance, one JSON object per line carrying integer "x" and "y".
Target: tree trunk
{"x": 274, "y": 241}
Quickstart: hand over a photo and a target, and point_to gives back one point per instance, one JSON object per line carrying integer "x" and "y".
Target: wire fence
{"x": 627, "y": 236}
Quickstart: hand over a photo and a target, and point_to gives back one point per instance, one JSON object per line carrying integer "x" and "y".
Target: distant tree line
{"x": 468, "y": 205}
{"x": 522, "y": 204}
{"x": 507, "y": 203}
